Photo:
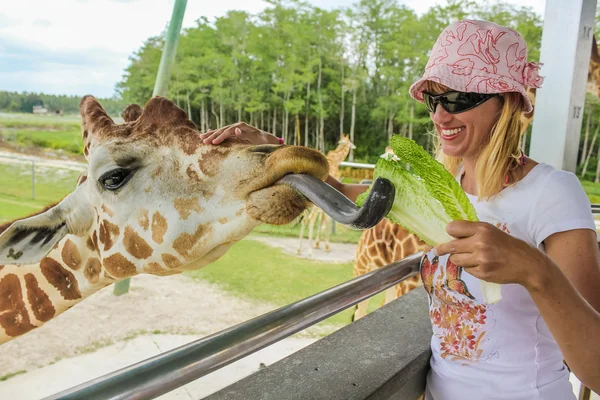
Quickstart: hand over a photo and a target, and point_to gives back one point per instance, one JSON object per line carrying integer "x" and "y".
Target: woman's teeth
{"x": 452, "y": 132}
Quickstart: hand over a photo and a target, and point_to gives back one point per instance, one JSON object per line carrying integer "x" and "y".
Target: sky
{"x": 79, "y": 47}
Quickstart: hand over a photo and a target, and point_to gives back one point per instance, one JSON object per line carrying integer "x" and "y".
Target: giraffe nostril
{"x": 264, "y": 148}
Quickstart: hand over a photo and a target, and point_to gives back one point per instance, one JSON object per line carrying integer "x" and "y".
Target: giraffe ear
{"x": 29, "y": 240}
{"x": 95, "y": 122}
{"x": 132, "y": 112}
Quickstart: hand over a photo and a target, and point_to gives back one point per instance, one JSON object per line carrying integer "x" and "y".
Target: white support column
{"x": 565, "y": 53}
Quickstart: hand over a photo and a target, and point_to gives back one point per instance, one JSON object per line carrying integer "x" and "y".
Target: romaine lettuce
{"x": 427, "y": 197}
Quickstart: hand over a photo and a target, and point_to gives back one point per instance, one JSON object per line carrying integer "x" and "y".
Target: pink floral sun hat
{"x": 481, "y": 57}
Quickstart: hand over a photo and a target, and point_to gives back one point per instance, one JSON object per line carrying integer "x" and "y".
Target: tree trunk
{"x": 212, "y": 109}
{"x": 240, "y": 114}
{"x": 321, "y": 141}
{"x": 298, "y": 138}
{"x": 189, "y": 108}
{"x": 597, "y": 178}
{"x": 587, "y": 132}
{"x": 262, "y": 120}
{"x": 352, "y": 122}
{"x": 410, "y": 122}
{"x": 524, "y": 142}
{"x": 274, "y": 121}
{"x": 307, "y": 115}
{"x": 390, "y": 127}
{"x": 221, "y": 114}
{"x": 202, "y": 118}
{"x": 589, "y": 154}
{"x": 342, "y": 108}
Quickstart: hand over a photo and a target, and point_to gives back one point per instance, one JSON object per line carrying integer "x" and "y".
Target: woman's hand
{"x": 240, "y": 130}
{"x": 492, "y": 255}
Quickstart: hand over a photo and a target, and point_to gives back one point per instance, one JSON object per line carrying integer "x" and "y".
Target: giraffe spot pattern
{"x": 170, "y": 260}
{"x": 107, "y": 210}
{"x": 190, "y": 144}
{"x": 159, "y": 227}
{"x": 193, "y": 175}
{"x": 38, "y": 299}
{"x": 143, "y": 219}
{"x": 13, "y": 314}
{"x": 185, "y": 206}
{"x": 185, "y": 243}
{"x": 135, "y": 244}
{"x": 157, "y": 171}
{"x": 92, "y": 270}
{"x": 89, "y": 243}
{"x": 119, "y": 266}
{"x": 70, "y": 255}
{"x": 62, "y": 279}
{"x": 208, "y": 165}
{"x": 108, "y": 234}
{"x": 81, "y": 179}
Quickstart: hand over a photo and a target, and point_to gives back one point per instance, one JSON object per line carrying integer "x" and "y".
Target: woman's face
{"x": 465, "y": 134}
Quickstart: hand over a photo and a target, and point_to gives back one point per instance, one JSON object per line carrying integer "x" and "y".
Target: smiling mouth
{"x": 450, "y": 134}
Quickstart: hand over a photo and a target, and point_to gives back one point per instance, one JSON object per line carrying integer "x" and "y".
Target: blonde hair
{"x": 500, "y": 157}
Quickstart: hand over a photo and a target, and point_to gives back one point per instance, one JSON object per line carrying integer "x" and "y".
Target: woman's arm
{"x": 568, "y": 297}
{"x": 351, "y": 191}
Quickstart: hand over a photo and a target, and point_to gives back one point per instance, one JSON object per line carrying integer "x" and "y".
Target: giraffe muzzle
{"x": 340, "y": 208}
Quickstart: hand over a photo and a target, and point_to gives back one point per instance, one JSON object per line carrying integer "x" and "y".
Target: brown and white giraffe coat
{"x": 182, "y": 204}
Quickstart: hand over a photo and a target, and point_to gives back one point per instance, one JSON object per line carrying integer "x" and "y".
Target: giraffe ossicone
{"x": 155, "y": 199}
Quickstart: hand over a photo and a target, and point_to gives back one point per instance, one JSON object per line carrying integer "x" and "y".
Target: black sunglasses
{"x": 455, "y": 102}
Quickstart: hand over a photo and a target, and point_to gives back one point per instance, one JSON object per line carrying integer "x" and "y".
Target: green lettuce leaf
{"x": 427, "y": 197}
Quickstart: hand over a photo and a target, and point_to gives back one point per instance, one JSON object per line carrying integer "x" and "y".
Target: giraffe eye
{"x": 112, "y": 180}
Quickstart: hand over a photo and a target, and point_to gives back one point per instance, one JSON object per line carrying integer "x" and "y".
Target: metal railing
{"x": 165, "y": 372}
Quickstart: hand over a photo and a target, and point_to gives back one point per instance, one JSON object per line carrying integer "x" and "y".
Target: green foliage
{"x": 295, "y": 60}
{"x": 63, "y": 104}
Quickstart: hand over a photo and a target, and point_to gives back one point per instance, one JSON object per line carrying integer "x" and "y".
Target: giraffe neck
{"x": 31, "y": 295}
{"x": 335, "y": 157}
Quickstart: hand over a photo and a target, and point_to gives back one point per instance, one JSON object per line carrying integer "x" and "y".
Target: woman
{"x": 537, "y": 234}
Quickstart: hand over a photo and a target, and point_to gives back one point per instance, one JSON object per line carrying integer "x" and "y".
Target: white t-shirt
{"x": 502, "y": 351}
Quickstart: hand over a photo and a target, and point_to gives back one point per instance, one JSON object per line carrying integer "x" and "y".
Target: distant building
{"x": 40, "y": 110}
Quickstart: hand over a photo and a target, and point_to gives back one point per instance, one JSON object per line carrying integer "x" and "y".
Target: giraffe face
{"x": 345, "y": 140}
{"x": 158, "y": 200}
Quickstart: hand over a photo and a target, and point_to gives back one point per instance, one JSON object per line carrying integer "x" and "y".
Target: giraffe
{"x": 154, "y": 200}
{"x": 312, "y": 215}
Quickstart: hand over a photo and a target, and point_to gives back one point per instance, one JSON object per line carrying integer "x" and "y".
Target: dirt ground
{"x": 174, "y": 304}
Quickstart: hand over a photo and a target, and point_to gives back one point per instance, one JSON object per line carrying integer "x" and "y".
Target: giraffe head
{"x": 155, "y": 199}
{"x": 345, "y": 142}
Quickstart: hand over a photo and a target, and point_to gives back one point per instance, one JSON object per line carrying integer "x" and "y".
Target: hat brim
{"x": 488, "y": 83}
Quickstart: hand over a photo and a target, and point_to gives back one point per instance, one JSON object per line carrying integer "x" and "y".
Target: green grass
{"x": 51, "y": 185}
{"x": 342, "y": 234}
{"x": 593, "y": 190}
{"x": 256, "y": 271}
{"x": 47, "y": 132}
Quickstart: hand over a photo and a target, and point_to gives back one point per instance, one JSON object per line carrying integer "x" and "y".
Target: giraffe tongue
{"x": 340, "y": 208}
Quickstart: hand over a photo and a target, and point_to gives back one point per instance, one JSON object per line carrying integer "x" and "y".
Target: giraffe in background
{"x": 313, "y": 214}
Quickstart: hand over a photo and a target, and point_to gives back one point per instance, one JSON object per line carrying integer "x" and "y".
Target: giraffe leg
{"x": 319, "y": 228}
{"x": 310, "y": 237}
{"x": 390, "y": 295}
{"x": 327, "y": 232}
{"x": 361, "y": 310}
{"x": 302, "y": 225}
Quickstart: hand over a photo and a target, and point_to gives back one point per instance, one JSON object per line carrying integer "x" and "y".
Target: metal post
{"x": 162, "y": 83}
{"x": 565, "y": 53}
{"x": 170, "y": 49}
